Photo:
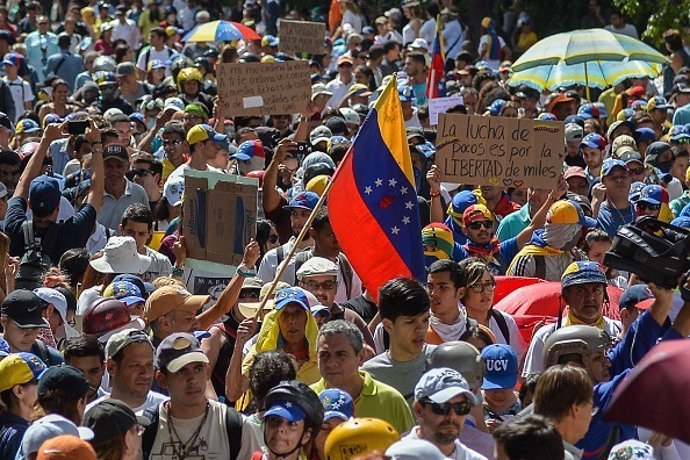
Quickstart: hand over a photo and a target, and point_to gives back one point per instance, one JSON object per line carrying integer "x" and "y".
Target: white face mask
{"x": 150, "y": 122}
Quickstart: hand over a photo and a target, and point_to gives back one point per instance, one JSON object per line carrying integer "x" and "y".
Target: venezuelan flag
{"x": 373, "y": 201}
{"x": 435, "y": 80}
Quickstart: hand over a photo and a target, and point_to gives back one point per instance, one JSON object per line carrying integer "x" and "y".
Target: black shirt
{"x": 72, "y": 233}
{"x": 367, "y": 310}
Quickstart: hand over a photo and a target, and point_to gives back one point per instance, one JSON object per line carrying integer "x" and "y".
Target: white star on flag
{"x": 409, "y": 205}
{"x": 406, "y": 220}
{"x": 379, "y": 182}
{"x": 392, "y": 182}
{"x": 395, "y": 230}
{"x": 367, "y": 190}
{"x": 288, "y": 404}
{"x": 403, "y": 190}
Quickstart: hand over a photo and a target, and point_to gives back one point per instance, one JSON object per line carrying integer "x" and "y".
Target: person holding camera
{"x": 42, "y": 195}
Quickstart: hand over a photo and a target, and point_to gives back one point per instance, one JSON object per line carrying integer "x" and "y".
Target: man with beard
{"x": 442, "y": 402}
{"x": 110, "y": 97}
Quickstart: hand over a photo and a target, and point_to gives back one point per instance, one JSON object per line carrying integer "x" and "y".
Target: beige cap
{"x": 168, "y": 298}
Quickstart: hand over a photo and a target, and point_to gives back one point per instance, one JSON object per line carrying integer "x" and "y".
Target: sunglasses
{"x": 460, "y": 408}
{"x": 649, "y": 207}
{"x": 273, "y": 238}
{"x": 636, "y": 171}
{"x": 173, "y": 143}
{"x": 250, "y": 293}
{"x": 142, "y": 172}
{"x": 487, "y": 224}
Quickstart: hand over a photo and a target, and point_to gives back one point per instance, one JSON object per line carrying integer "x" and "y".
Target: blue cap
{"x": 127, "y": 292}
{"x": 575, "y": 119}
{"x": 611, "y": 163}
{"x": 635, "y": 190}
{"x": 27, "y": 126}
{"x": 406, "y": 93}
{"x": 304, "y": 200}
{"x": 678, "y": 133}
{"x": 320, "y": 310}
{"x": 141, "y": 285}
{"x": 4, "y": 348}
{"x": 11, "y": 59}
{"x": 654, "y": 194}
{"x": 547, "y": 116}
{"x": 582, "y": 272}
{"x": 682, "y": 222}
{"x": 248, "y": 150}
{"x": 44, "y": 194}
{"x": 593, "y": 141}
{"x": 658, "y": 102}
{"x": 291, "y": 295}
{"x": 603, "y": 113}
{"x": 587, "y": 111}
{"x": 634, "y": 295}
{"x": 645, "y": 135}
{"x": 337, "y": 404}
{"x": 496, "y": 107}
{"x": 501, "y": 367}
{"x": 427, "y": 149}
{"x": 287, "y": 410}
{"x": 137, "y": 116}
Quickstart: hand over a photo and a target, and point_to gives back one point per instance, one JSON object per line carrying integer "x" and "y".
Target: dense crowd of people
{"x": 113, "y": 348}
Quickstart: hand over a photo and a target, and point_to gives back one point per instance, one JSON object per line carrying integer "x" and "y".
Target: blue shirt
{"x": 506, "y": 251}
{"x": 642, "y": 336}
{"x": 66, "y": 66}
{"x": 38, "y": 49}
{"x": 611, "y": 219}
{"x": 12, "y": 430}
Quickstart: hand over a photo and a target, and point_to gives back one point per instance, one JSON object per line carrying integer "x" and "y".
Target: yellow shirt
{"x": 379, "y": 400}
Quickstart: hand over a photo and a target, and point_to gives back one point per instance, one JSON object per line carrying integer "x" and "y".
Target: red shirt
{"x": 505, "y": 207}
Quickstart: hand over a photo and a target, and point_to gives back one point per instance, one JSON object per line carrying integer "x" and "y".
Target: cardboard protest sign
{"x": 504, "y": 152}
{"x": 219, "y": 219}
{"x": 252, "y": 89}
{"x": 439, "y": 105}
{"x": 302, "y": 37}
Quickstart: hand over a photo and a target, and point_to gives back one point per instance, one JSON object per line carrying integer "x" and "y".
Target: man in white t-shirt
{"x": 22, "y": 95}
{"x": 619, "y": 26}
{"x": 129, "y": 361}
{"x": 204, "y": 143}
{"x": 157, "y": 51}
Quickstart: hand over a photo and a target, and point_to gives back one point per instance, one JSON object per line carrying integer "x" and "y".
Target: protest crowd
{"x": 258, "y": 232}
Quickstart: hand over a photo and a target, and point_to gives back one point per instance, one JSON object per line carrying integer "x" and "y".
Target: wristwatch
{"x": 242, "y": 270}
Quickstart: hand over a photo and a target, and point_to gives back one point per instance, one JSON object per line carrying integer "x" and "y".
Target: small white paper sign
{"x": 440, "y": 105}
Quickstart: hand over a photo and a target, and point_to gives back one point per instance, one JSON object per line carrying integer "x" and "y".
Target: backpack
{"x": 343, "y": 265}
{"x": 147, "y": 53}
{"x": 44, "y": 354}
{"x": 34, "y": 262}
{"x": 233, "y": 427}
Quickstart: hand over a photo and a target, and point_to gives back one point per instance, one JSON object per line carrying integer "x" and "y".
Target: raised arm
{"x": 52, "y": 132}
{"x": 95, "y": 198}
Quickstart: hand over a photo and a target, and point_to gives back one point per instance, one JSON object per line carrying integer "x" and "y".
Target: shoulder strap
{"x": 62, "y": 61}
{"x": 233, "y": 425}
{"x": 348, "y": 274}
{"x": 147, "y": 53}
{"x": 502, "y": 324}
{"x": 280, "y": 255}
{"x": 28, "y": 231}
{"x": 43, "y": 352}
{"x": 300, "y": 259}
{"x": 150, "y": 431}
{"x": 539, "y": 267}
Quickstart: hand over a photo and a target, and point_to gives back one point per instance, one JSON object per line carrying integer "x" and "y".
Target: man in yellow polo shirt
{"x": 340, "y": 353}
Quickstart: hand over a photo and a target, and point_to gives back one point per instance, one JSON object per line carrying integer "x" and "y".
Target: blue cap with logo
{"x": 337, "y": 404}
{"x": 501, "y": 367}
{"x": 44, "y": 194}
{"x": 611, "y": 163}
{"x": 291, "y": 295}
{"x": 582, "y": 272}
{"x": 304, "y": 200}
{"x": 287, "y": 410}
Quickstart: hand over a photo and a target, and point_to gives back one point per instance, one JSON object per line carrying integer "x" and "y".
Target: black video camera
{"x": 655, "y": 251}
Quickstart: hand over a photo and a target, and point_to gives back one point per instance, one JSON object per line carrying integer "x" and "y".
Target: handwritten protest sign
{"x": 505, "y": 152}
{"x": 219, "y": 219}
{"x": 302, "y": 37}
{"x": 439, "y": 105}
{"x": 264, "y": 89}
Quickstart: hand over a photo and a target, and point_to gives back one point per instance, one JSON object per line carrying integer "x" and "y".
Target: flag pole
{"x": 293, "y": 250}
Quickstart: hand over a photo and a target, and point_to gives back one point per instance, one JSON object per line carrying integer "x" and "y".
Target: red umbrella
{"x": 507, "y": 284}
{"x": 654, "y": 394}
{"x": 539, "y": 303}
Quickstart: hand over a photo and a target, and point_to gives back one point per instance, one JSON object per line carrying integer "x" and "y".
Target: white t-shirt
{"x": 21, "y": 93}
{"x": 353, "y": 19}
{"x": 212, "y": 441}
{"x": 179, "y": 171}
{"x": 165, "y": 55}
{"x": 461, "y": 451}
{"x": 628, "y": 29}
{"x": 153, "y": 399}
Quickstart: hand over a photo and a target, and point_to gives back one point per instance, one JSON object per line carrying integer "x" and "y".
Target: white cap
{"x": 55, "y": 298}
{"x": 173, "y": 189}
{"x": 319, "y": 134}
{"x": 317, "y": 266}
{"x": 419, "y": 43}
{"x": 413, "y": 449}
{"x": 173, "y": 102}
{"x": 111, "y": 112}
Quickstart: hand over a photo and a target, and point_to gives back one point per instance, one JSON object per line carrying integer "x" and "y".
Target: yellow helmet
{"x": 359, "y": 436}
{"x": 189, "y": 74}
{"x": 317, "y": 184}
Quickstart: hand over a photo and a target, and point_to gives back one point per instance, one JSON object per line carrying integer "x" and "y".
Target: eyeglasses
{"x": 171, "y": 142}
{"x": 460, "y": 408}
{"x": 314, "y": 286}
{"x": 273, "y": 238}
{"x": 192, "y": 117}
{"x": 481, "y": 287}
{"x": 487, "y": 224}
{"x": 142, "y": 172}
{"x": 636, "y": 171}
{"x": 648, "y": 206}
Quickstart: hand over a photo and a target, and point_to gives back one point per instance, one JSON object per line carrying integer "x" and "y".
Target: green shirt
{"x": 379, "y": 400}
{"x": 679, "y": 203}
{"x": 512, "y": 224}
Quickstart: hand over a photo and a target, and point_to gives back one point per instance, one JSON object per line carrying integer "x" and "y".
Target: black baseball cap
{"x": 5, "y": 121}
{"x": 110, "y": 419}
{"x": 24, "y": 308}
{"x": 177, "y": 350}
{"x": 69, "y": 380}
{"x": 116, "y": 151}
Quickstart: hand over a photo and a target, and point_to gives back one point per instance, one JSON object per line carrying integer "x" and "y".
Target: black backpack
{"x": 35, "y": 262}
{"x": 233, "y": 427}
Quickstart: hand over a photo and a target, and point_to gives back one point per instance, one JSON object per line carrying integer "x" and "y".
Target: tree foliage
{"x": 653, "y": 17}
